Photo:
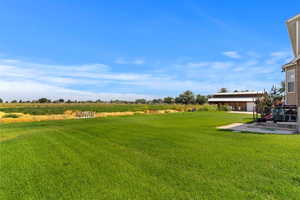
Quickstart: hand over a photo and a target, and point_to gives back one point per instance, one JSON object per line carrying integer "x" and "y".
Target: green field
{"x": 172, "y": 156}
{"x": 47, "y": 109}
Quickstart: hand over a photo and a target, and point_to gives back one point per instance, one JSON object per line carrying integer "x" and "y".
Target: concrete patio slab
{"x": 253, "y": 128}
{"x": 241, "y": 112}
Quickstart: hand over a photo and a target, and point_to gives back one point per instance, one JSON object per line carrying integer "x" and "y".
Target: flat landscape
{"x": 49, "y": 109}
{"x": 170, "y": 156}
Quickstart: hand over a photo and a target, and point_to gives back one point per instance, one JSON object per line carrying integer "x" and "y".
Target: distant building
{"x": 292, "y": 69}
{"x": 237, "y": 101}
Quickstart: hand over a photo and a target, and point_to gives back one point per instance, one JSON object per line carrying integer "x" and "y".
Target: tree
{"x": 223, "y": 90}
{"x": 177, "y": 100}
{"x": 201, "y": 99}
{"x": 44, "y": 100}
{"x": 275, "y": 95}
{"x": 186, "y": 97}
{"x": 169, "y": 100}
{"x": 264, "y": 104}
{"x": 61, "y": 100}
{"x": 14, "y": 101}
{"x": 140, "y": 101}
{"x": 157, "y": 101}
{"x": 282, "y": 88}
{"x": 1, "y": 101}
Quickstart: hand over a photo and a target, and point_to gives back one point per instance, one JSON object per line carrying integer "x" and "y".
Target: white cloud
{"x": 245, "y": 66}
{"x": 279, "y": 57}
{"x": 111, "y": 76}
{"x": 209, "y": 64}
{"x": 123, "y": 61}
{"x": 63, "y": 73}
{"x": 221, "y": 65}
{"x": 28, "y": 90}
{"x": 20, "y": 79}
{"x": 138, "y": 61}
{"x": 239, "y": 69}
{"x": 197, "y": 64}
{"x": 232, "y": 54}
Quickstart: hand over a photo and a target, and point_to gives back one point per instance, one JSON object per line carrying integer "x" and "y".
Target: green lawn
{"x": 172, "y": 156}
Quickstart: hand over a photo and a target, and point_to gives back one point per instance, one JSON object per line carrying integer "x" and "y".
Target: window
{"x": 290, "y": 80}
{"x": 291, "y": 87}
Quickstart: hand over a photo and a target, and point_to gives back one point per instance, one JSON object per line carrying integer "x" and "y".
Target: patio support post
{"x": 298, "y": 120}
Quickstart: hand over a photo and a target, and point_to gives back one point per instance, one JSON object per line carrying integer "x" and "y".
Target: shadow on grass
{"x": 244, "y": 132}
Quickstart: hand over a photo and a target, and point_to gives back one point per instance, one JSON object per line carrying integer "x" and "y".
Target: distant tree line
{"x": 187, "y": 97}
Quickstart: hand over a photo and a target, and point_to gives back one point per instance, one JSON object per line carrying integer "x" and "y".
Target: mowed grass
{"x": 172, "y": 156}
{"x": 47, "y": 109}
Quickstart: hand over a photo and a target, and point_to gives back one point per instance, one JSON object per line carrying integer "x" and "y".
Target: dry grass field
{"x": 10, "y": 113}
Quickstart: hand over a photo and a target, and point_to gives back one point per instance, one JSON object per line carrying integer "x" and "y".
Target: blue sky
{"x": 136, "y": 49}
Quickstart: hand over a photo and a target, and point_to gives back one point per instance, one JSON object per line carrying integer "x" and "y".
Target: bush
{"x": 10, "y": 116}
{"x": 224, "y": 108}
{"x": 213, "y": 108}
{"x": 207, "y": 107}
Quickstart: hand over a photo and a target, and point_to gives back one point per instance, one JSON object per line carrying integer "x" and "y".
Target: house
{"x": 237, "y": 101}
{"x": 292, "y": 69}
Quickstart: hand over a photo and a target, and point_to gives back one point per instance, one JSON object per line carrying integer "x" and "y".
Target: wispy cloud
{"x": 98, "y": 80}
{"x": 22, "y": 79}
{"x": 232, "y": 54}
{"x": 28, "y": 90}
{"x": 124, "y": 61}
{"x": 279, "y": 56}
{"x": 209, "y": 64}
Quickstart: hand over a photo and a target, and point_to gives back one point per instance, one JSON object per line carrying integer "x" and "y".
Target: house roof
{"x": 293, "y": 18}
{"x": 293, "y": 30}
{"x": 291, "y": 63}
{"x": 245, "y": 99}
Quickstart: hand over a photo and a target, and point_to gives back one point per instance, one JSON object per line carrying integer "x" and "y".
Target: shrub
{"x": 213, "y": 108}
{"x": 10, "y": 116}
{"x": 224, "y": 108}
{"x": 207, "y": 107}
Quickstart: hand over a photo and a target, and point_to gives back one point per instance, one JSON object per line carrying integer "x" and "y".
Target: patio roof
{"x": 238, "y": 93}
{"x": 231, "y": 99}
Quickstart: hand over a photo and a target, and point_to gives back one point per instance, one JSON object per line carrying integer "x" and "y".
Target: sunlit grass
{"x": 172, "y": 156}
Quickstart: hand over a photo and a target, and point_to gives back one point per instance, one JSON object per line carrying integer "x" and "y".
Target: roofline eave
{"x": 293, "y": 19}
{"x": 292, "y": 63}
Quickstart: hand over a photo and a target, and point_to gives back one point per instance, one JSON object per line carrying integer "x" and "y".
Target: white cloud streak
{"x": 30, "y": 80}
{"x": 28, "y": 90}
{"x": 124, "y": 61}
{"x": 232, "y": 54}
{"x": 27, "y": 80}
{"x": 279, "y": 56}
